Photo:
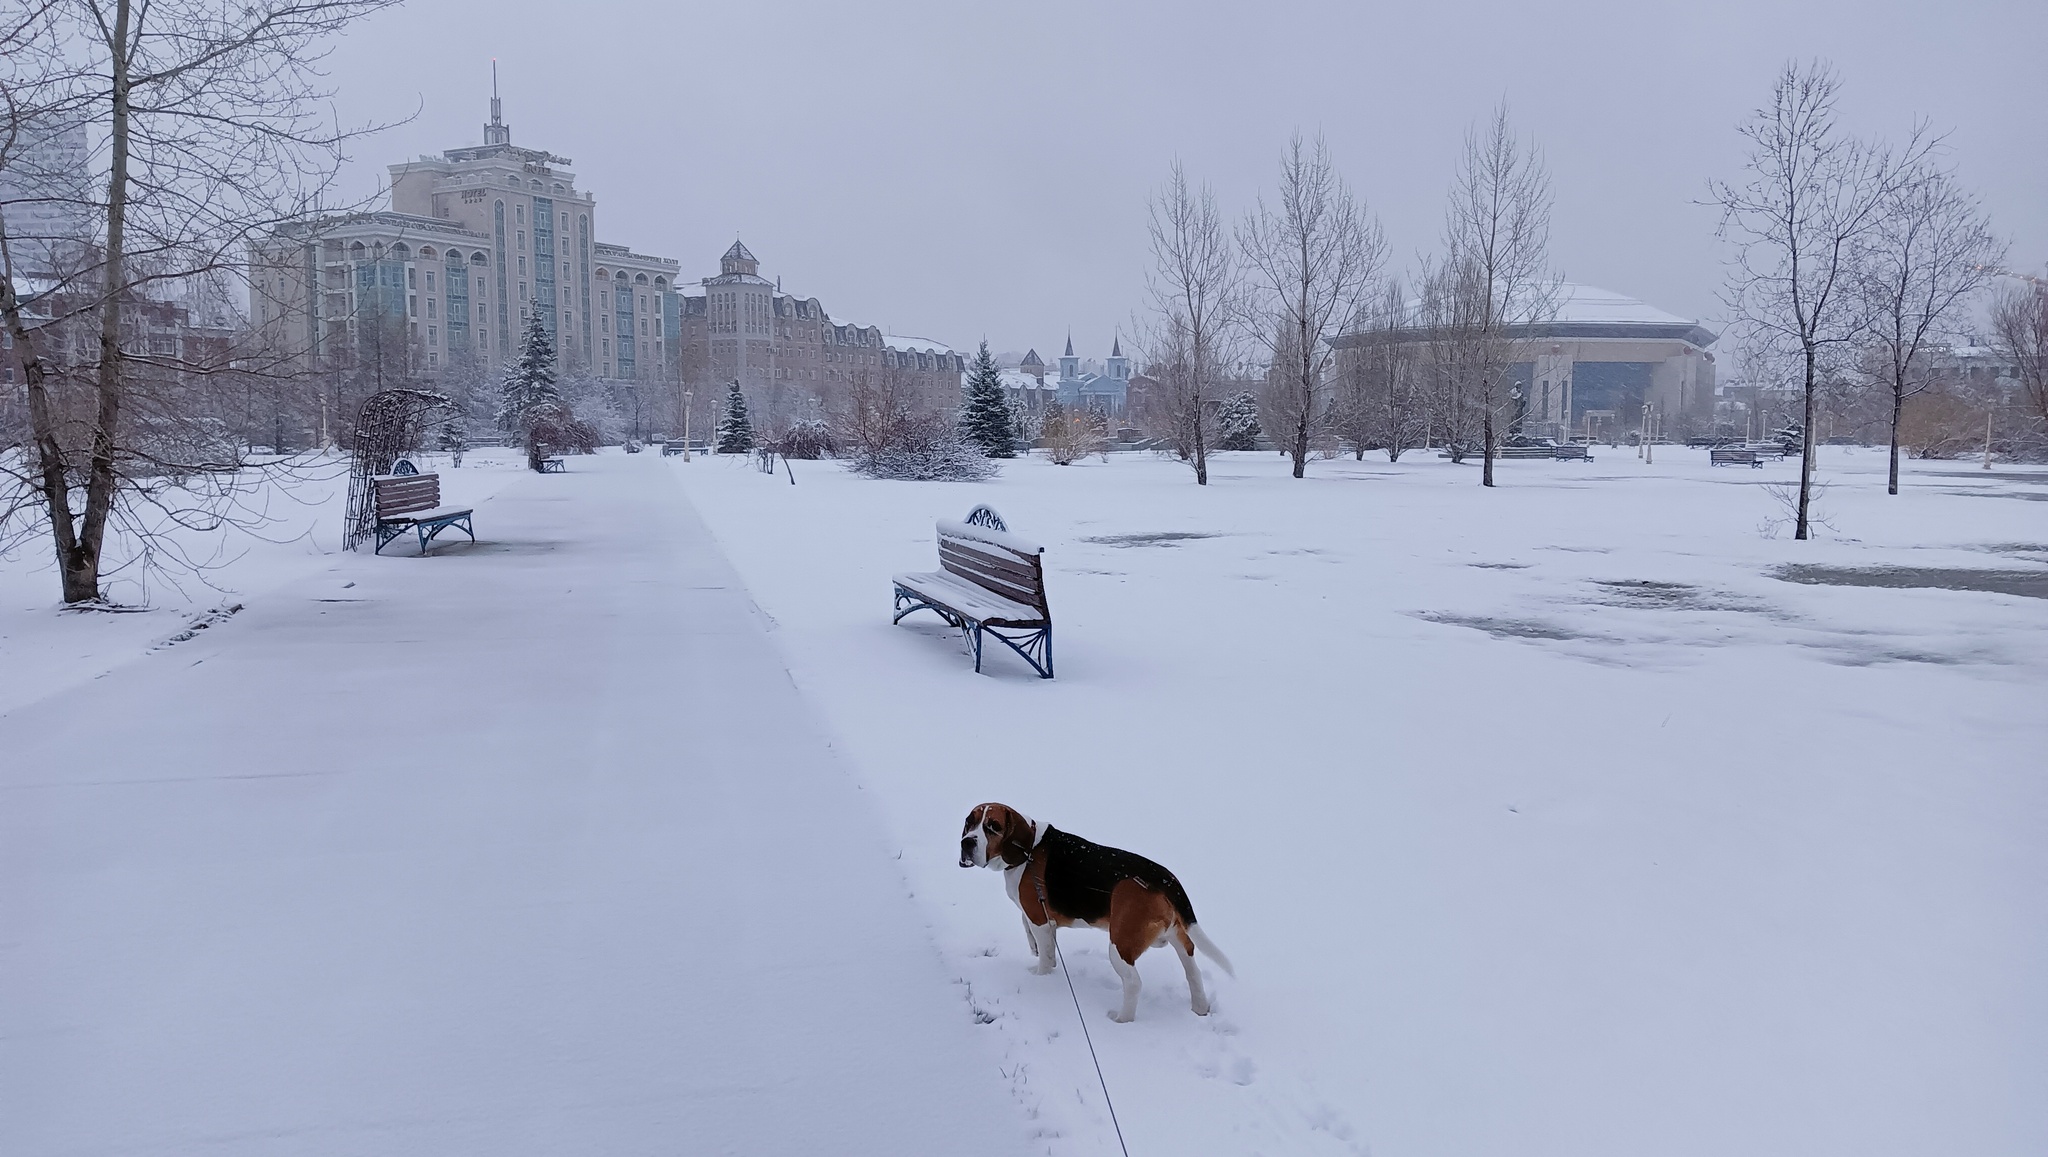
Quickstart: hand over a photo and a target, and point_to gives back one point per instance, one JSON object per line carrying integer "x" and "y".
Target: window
{"x": 522, "y": 238}
{"x": 430, "y": 280}
{"x": 522, "y": 265}
{"x": 412, "y": 305}
{"x": 607, "y": 343}
{"x": 522, "y": 297}
{"x": 604, "y": 300}
{"x": 521, "y": 210}
{"x": 433, "y": 335}
{"x": 430, "y": 307}
{"x": 412, "y": 280}
{"x": 433, "y": 359}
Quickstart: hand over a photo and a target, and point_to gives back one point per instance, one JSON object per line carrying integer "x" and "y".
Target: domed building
{"x": 1591, "y": 366}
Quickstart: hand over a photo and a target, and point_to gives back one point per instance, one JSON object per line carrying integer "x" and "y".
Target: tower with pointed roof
{"x": 1070, "y": 366}
{"x": 1118, "y": 368}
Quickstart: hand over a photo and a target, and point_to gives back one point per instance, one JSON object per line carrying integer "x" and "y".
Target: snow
{"x": 1540, "y": 820}
{"x": 528, "y": 847}
{"x": 916, "y": 344}
{"x": 1584, "y": 303}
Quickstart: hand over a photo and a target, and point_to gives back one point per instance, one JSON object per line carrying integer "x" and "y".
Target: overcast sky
{"x": 955, "y": 170}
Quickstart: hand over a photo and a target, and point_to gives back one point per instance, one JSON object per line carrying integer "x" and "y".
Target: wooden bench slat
{"x": 1023, "y": 572}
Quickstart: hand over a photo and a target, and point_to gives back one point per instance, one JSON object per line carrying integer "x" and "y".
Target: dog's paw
{"x": 1201, "y": 1007}
{"x": 1118, "y": 1015}
{"x": 1042, "y": 968}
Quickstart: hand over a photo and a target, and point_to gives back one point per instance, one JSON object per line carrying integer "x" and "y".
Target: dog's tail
{"x": 1208, "y": 948}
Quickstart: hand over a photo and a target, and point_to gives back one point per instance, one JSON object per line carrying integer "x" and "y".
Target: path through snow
{"x": 375, "y": 866}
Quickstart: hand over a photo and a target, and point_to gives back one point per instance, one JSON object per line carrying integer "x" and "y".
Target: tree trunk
{"x": 80, "y": 566}
{"x": 52, "y": 480}
{"x": 1486, "y": 446}
{"x": 1898, "y": 404}
{"x": 1201, "y": 446}
{"x": 1801, "y": 528}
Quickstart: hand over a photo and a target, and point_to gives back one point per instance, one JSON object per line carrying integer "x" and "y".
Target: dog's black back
{"x": 1080, "y": 874}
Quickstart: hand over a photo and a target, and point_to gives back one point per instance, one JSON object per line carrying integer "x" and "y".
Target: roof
{"x": 1031, "y": 358}
{"x": 1585, "y": 311}
{"x": 916, "y": 344}
{"x": 738, "y": 252}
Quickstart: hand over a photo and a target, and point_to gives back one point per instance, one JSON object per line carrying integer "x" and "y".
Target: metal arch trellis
{"x": 391, "y": 423}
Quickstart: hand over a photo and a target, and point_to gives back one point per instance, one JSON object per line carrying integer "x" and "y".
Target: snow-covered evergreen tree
{"x": 1237, "y": 427}
{"x": 735, "y": 429}
{"x": 529, "y": 381}
{"x": 985, "y": 418}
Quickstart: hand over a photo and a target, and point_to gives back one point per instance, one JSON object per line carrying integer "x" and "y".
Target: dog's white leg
{"x": 1045, "y": 938}
{"x": 1030, "y": 934}
{"x": 1129, "y": 975}
{"x": 1197, "y": 999}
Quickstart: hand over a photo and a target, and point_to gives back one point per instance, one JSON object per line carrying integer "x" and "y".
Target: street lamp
{"x": 686, "y": 425}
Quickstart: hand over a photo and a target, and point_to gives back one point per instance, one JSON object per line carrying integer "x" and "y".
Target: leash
{"x": 1046, "y": 909}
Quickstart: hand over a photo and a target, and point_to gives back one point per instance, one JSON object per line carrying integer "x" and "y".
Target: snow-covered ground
{"x": 1543, "y": 820}
{"x": 1540, "y": 821}
{"x": 526, "y": 848}
{"x": 286, "y": 525}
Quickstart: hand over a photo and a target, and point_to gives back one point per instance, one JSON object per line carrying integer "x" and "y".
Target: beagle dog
{"x": 1060, "y": 880}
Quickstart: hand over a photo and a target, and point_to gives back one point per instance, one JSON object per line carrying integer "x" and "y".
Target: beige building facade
{"x": 477, "y": 241}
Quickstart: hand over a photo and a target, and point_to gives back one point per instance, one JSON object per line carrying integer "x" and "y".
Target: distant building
{"x": 46, "y": 194}
{"x": 1107, "y": 392}
{"x": 477, "y": 240}
{"x": 788, "y": 351}
{"x": 1598, "y": 359}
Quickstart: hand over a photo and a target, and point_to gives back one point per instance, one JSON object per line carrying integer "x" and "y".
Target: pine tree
{"x": 530, "y": 381}
{"x": 735, "y": 430}
{"x": 985, "y": 419}
{"x": 1238, "y": 424}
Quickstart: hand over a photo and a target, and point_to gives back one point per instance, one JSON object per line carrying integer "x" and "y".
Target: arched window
{"x": 640, "y": 279}
{"x": 478, "y": 258}
{"x": 558, "y": 186}
{"x": 401, "y": 252}
{"x": 426, "y": 253}
{"x": 356, "y": 252}
{"x": 601, "y": 272}
{"x": 661, "y": 283}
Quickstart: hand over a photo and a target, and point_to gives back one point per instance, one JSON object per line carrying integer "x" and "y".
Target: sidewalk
{"x": 527, "y": 848}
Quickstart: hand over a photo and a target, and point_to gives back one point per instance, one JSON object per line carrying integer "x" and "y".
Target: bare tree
{"x": 2019, "y": 317}
{"x": 1801, "y": 222}
{"x": 1381, "y": 403}
{"x": 1496, "y": 245}
{"x": 1312, "y": 257}
{"x": 214, "y": 126}
{"x": 1194, "y": 289}
{"x": 1929, "y": 255}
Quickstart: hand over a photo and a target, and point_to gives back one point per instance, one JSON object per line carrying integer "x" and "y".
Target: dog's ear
{"x": 1019, "y": 835}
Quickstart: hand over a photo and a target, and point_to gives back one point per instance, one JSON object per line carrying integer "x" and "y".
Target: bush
{"x": 808, "y": 439}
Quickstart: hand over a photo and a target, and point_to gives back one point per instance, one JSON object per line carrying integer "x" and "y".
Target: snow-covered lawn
{"x": 285, "y": 527}
{"x": 1543, "y": 820}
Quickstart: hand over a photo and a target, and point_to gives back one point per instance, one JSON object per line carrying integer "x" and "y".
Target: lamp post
{"x": 686, "y": 425}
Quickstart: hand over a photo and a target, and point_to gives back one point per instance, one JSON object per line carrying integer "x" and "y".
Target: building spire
{"x": 1070, "y": 344}
{"x": 497, "y": 132}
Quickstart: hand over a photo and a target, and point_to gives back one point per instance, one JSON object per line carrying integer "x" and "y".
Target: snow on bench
{"x": 1730, "y": 456}
{"x": 413, "y": 502}
{"x": 989, "y": 582}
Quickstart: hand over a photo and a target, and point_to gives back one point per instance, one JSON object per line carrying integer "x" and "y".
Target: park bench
{"x": 1570, "y": 452}
{"x": 990, "y": 583}
{"x": 1731, "y": 456}
{"x": 1775, "y": 450}
{"x": 671, "y": 449}
{"x": 1523, "y": 451}
{"x": 413, "y": 502}
{"x": 553, "y": 466}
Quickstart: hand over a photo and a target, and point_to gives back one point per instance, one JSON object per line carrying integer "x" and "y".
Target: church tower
{"x": 1070, "y": 366}
{"x": 1119, "y": 367}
